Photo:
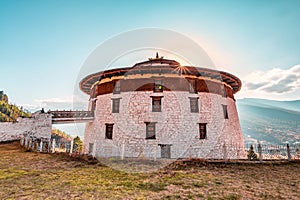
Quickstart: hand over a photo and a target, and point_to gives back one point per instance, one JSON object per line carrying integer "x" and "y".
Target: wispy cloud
{"x": 275, "y": 81}
{"x": 64, "y": 103}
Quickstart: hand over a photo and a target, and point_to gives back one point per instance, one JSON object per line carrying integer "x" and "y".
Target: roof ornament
{"x": 157, "y": 57}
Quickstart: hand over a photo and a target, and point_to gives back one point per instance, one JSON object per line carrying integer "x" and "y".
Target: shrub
{"x": 251, "y": 154}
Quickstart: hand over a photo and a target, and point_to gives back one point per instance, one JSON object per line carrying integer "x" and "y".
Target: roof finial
{"x": 156, "y": 57}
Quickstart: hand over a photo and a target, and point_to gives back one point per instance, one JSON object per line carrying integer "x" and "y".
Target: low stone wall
{"x": 38, "y": 126}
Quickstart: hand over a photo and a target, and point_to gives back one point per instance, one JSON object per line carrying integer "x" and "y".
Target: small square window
{"x": 150, "y": 130}
{"x": 108, "y": 131}
{"x": 115, "y": 105}
{"x": 156, "y": 104}
{"x": 158, "y": 86}
{"x": 194, "y": 105}
{"x": 225, "y": 112}
{"x": 202, "y": 131}
{"x": 117, "y": 88}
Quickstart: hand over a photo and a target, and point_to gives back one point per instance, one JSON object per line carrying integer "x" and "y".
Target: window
{"x": 224, "y": 91}
{"x": 108, "y": 131}
{"x": 150, "y": 130}
{"x": 156, "y": 104}
{"x": 93, "y": 105}
{"x": 115, "y": 105}
{"x": 202, "y": 131}
{"x": 194, "y": 104}
{"x": 192, "y": 86}
{"x": 93, "y": 92}
{"x": 165, "y": 150}
{"x": 117, "y": 88}
{"x": 225, "y": 112}
{"x": 158, "y": 87}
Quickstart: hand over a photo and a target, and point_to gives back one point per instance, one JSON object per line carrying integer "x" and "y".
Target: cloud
{"x": 65, "y": 103}
{"x": 253, "y": 86}
{"x": 274, "y": 81}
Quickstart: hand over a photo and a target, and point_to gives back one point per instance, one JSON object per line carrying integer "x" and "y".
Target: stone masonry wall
{"x": 175, "y": 126}
{"x": 38, "y": 126}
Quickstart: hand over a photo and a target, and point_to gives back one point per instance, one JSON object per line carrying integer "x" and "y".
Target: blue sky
{"x": 43, "y": 44}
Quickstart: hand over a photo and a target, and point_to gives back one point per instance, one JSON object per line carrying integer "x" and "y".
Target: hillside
{"x": 10, "y": 112}
{"x": 270, "y": 121}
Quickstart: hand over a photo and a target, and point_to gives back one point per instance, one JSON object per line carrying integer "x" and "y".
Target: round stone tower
{"x": 160, "y": 109}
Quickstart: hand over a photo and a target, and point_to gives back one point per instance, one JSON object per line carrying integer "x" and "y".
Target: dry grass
{"x": 28, "y": 175}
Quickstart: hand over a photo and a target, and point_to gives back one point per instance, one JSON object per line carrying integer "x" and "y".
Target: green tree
{"x": 10, "y": 112}
{"x": 77, "y": 145}
{"x": 251, "y": 154}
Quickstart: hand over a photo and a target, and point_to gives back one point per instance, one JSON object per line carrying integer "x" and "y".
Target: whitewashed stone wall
{"x": 176, "y": 126}
{"x": 38, "y": 126}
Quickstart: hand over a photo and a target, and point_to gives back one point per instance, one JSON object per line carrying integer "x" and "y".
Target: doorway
{"x": 165, "y": 150}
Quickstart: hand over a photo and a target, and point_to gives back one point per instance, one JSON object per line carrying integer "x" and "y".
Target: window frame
{"x": 202, "y": 127}
{"x": 153, "y": 135}
{"x": 196, "y": 100}
{"x": 156, "y": 99}
{"x": 116, "y": 101}
{"x": 117, "y": 87}
{"x": 109, "y": 127}
{"x": 158, "y": 86}
{"x": 93, "y": 106}
{"x": 192, "y": 85}
{"x": 225, "y": 111}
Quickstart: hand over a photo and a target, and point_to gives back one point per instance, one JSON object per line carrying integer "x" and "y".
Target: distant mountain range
{"x": 269, "y": 121}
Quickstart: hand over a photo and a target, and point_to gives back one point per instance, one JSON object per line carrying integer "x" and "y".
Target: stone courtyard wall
{"x": 38, "y": 126}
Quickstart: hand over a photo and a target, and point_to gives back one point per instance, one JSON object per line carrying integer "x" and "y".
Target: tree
{"x": 77, "y": 145}
{"x": 251, "y": 154}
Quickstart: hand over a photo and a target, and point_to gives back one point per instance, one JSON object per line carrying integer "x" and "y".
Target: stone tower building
{"x": 160, "y": 109}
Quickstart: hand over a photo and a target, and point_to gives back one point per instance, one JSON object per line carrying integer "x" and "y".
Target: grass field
{"x": 29, "y": 175}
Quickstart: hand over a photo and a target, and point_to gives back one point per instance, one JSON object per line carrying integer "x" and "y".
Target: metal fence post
{"x": 288, "y": 152}
{"x": 123, "y": 150}
{"x": 53, "y": 145}
{"x": 71, "y": 146}
{"x": 260, "y": 152}
{"x": 41, "y": 146}
{"x": 155, "y": 146}
{"x": 94, "y": 150}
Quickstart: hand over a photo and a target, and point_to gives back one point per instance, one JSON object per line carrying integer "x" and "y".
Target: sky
{"x": 43, "y": 44}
